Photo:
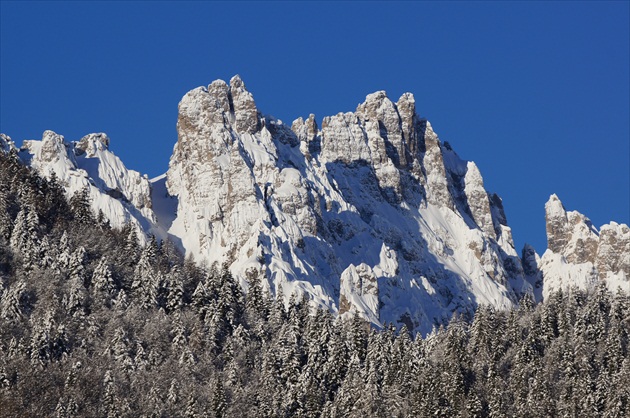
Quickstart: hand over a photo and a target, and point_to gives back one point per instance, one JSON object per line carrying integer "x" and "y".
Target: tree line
{"x": 94, "y": 324}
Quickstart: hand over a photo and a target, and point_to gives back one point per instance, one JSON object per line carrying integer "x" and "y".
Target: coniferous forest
{"x": 92, "y": 323}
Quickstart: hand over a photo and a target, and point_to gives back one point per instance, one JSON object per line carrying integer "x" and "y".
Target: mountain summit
{"x": 580, "y": 255}
{"x": 369, "y": 213}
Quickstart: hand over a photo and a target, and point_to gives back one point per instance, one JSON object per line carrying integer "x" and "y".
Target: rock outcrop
{"x": 121, "y": 195}
{"x": 359, "y": 292}
{"x": 580, "y": 255}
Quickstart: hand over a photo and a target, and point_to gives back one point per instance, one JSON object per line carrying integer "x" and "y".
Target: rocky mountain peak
{"x": 379, "y": 111}
{"x": 570, "y": 233}
{"x": 557, "y": 224}
{"x": 52, "y": 153}
{"x": 359, "y": 213}
{"x": 53, "y": 146}
{"x": 219, "y": 92}
{"x": 307, "y": 133}
{"x": 406, "y": 106}
{"x": 580, "y": 255}
{"x": 244, "y": 107}
{"x": 236, "y": 82}
{"x": 530, "y": 260}
{"x": 613, "y": 251}
{"x": 122, "y": 195}
{"x": 208, "y": 115}
{"x": 477, "y": 199}
{"x": 91, "y": 143}
{"x": 369, "y": 213}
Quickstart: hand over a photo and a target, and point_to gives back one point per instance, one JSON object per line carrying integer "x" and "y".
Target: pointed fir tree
{"x": 24, "y": 237}
{"x": 256, "y": 303}
{"x": 110, "y": 401}
{"x": 191, "y": 407}
{"x": 120, "y": 350}
{"x": 11, "y": 308}
{"x": 80, "y": 204}
{"x": 218, "y": 401}
{"x": 102, "y": 278}
{"x": 175, "y": 290}
{"x": 75, "y": 297}
{"x": 172, "y": 396}
{"x": 6, "y": 223}
{"x": 131, "y": 250}
{"x": 146, "y": 280}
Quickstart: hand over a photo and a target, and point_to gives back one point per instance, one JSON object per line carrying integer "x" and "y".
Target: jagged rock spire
{"x": 245, "y": 111}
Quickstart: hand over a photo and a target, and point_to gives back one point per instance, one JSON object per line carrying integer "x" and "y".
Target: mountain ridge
{"x": 369, "y": 214}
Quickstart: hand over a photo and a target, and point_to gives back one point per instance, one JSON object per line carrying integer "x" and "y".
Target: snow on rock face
{"x": 122, "y": 195}
{"x": 212, "y": 171}
{"x": 433, "y": 162}
{"x": 557, "y": 224}
{"x": 531, "y": 269}
{"x": 344, "y": 140}
{"x": 385, "y": 128}
{"x": 306, "y": 132}
{"x": 245, "y": 111}
{"x": 91, "y": 144}
{"x": 112, "y": 175}
{"x": 370, "y": 213}
{"x": 613, "y": 251}
{"x": 51, "y": 153}
{"x": 579, "y": 255}
{"x": 359, "y": 214}
{"x": 359, "y": 292}
{"x": 477, "y": 199}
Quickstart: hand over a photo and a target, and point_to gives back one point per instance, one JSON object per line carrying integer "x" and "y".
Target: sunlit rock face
{"x": 579, "y": 255}
{"x": 367, "y": 212}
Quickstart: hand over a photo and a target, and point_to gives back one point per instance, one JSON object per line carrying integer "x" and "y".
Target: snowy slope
{"x": 124, "y": 196}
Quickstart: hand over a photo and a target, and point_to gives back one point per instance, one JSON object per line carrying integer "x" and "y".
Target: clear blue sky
{"x": 536, "y": 93}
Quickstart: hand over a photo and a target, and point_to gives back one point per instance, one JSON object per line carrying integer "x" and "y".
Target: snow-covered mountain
{"x": 580, "y": 255}
{"x": 122, "y": 195}
{"x": 368, "y": 213}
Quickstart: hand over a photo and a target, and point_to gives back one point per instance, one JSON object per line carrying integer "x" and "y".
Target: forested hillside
{"x": 93, "y": 324}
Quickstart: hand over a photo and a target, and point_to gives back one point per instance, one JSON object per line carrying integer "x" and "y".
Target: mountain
{"x": 122, "y": 195}
{"x": 369, "y": 213}
{"x": 580, "y": 255}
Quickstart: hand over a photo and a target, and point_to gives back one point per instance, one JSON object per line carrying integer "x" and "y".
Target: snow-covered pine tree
{"x": 81, "y": 206}
{"x": 25, "y": 235}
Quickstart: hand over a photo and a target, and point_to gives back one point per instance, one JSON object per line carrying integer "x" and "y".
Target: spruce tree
{"x": 80, "y": 204}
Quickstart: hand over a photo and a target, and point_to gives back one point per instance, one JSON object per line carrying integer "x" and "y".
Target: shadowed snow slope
{"x": 122, "y": 195}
